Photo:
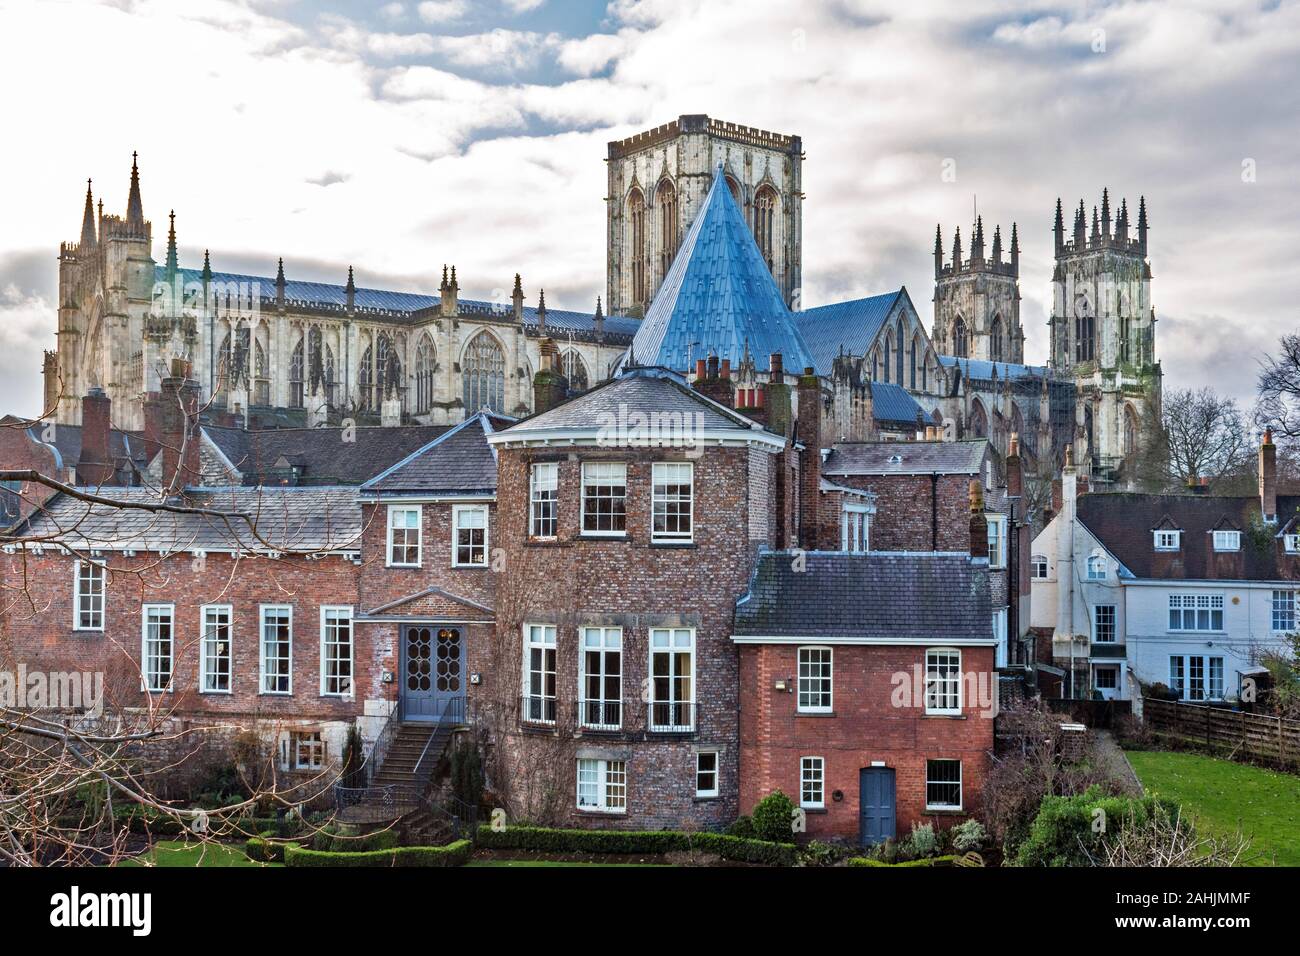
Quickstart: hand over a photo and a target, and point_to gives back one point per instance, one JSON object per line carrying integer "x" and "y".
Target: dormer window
{"x": 1096, "y": 568}
{"x": 1227, "y": 541}
{"x": 1291, "y": 542}
{"x": 1168, "y": 540}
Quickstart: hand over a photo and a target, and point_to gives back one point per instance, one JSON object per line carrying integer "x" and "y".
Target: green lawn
{"x": 174, "y": 853}
{"x": 1223, "y": 796}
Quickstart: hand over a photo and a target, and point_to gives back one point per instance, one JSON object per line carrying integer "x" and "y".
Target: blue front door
{"x": 433, "y": 665}
{"x": 876, "y": 805}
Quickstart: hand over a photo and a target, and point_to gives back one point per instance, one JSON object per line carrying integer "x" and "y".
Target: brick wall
{"x": 865, "y": 728}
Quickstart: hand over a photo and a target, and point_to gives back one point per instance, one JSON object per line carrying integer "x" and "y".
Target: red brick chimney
{"x": 1268, "y": 477}
{"x": 979, "y": 526}
{"x": 810, "y": 464}
{"x": 716, "y": 382}
{"x": 179, "y": 407}
{"x": 96, "y": 465}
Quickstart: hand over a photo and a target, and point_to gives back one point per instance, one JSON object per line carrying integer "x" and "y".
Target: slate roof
{"x": 123, "y": 446}
{"x": 981, "y": 369}
{"x": 400, "y": 306}
{"x": 940, "y": 598}
{"x": 320, "y": 454}
{"x": 1123, "y": 522}
{"x": 916, "y": 458}
{"x": 844, "y": 326}
{"x": 637, "y": 391}
{"x": 719, "y": 298}
{"x": 286, "y": 519}
{"x": 893, "y": 404}
{"x": 460, "y": 461}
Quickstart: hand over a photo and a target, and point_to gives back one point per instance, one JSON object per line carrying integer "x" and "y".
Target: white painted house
{"x": 1188, "y": 591}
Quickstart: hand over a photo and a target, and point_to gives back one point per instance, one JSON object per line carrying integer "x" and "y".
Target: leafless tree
{"x": 1198, "y": 435}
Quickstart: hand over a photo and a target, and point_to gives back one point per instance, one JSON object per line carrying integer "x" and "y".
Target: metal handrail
{"x": 453, "y": 713}
{"x": 545, "y": 708}
{"x": 670, "y": 716}
{"x": 600, "y": 714}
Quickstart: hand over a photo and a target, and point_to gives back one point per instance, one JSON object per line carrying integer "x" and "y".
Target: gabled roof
{"x": 850, "y": 327}
{"x": 459, "y": 461}
{"x": 907, "y": 458}
{"x": 1123, "y": 522}
{"x": 642, "y": 404}
{"x": 323, "y": 456}
{"x": 719, "y": 298}
{"x": 286, "y": 519}
{"x": 400, "y": 306}
{"x": 935, "y": 598}
{"x": 892, "y": 404}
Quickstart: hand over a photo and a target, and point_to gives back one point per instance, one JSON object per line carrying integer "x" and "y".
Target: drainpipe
{"x": 934, "y": 511}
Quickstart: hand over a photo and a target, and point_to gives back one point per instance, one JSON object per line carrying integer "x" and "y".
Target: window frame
{"x": 674, "y": 679}
{"x": 602, "y": 650}
{"x": 1099, "y": 562}
{"x": 77, "y": 595}
{"x": 553, "y": 646}
{"x": 1195, "y": 608}
{"x": 997, "y": 540}
{"x": 1231, "y": 541}
{"x": 419, "y": 536}
{"x": 1288, "y": 611}
{"x": 145, "y": 683}
{"x": 1291, "y": 543}
{"x": 534, "y": 500}
{"x": 829, "y": 678}
{"x": 666, "y": 537}
{"x": 262, "y": 610}
{"x": 1097, "y": 623}
{"x": 863, "y": 514}
{"x": 1110, "y": 669}
{"x": 1035, "y": 560}
{"x": 582, "y": 495}
{"x": 716, "y": 791}
{"x": 961, "y": 788}
{"x": 205, "y": 640}
{"x": 296, "y": 739}
{"x": 325, "y": 610}
{"x": 1175, "y": 535}
{"x": 604, "y": 769}
{"x": 815, "y": 765}
{"x": 456, "y": 512}
{"x": 960, "y": 691}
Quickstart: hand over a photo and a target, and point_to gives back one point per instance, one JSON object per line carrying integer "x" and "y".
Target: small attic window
{"x": 1227, "y": 541}
{"x": 895, "y": 459}
{"x": 1291, "y": 542}
{"x": 1167, "y": 540}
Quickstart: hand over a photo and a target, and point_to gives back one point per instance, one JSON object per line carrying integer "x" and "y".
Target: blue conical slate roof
{"x": 718, "y": 298}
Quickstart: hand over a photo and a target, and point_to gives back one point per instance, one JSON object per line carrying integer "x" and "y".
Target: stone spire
{"x": 88, "y": 223}
{"x": 1080, "y": 226}
{"x": 134, "y": 208}
{"x": 599, "y": 322}
{"x": 1105, "y": 212}
{"x": 1059, "y": 227}
{"x": 977, "y": 243}
{"x": 541, "y": 312}
{"x": 351, "y": 290}
{"x": 1142, "y": 224}
{"x": 1121, "y": 222}
{"x": 517, "y": 299}
{"x": 1095, "y": 237}
{"x": 997, "y": 245}
{"x": 207, "y": 268}
{"x": 279, "y": 284}
{"x": 1015, "y": 251}
{"x": 938, "y": 250}
{"x": 172, "y": 264}
{"x": 956, "y": 250}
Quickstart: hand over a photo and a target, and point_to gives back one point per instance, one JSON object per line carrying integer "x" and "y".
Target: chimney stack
{"x": 716, "y": 380}
{"x": 180, "y": 429}
{"x": 810, "y": 467}
{"x": 550, "y": 388}
{"x": 979, "y": 526}
{"x": 1268, "y": 477}
{"x": 96, "y": 465}
{"x": 1015, "y": 477}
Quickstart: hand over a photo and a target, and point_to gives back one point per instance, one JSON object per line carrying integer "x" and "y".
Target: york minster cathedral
{"x": 704, "y": 262}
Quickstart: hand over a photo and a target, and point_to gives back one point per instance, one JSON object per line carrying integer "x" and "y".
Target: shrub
{"x": 819, "y": 853}
{"x": 453, "y": 854}
{"x": 968, "y": 837}
{"x": 923, "y": 841}
{"x": 467, "y": 773}
{"x": 263, "y": 849}
{"x": 773, "y": 816}
{"x": 331, "y": 839}
{"x": 1064, "y": 834}
{"x": 743, "y": 827}
{"x": 633, "y": 842}
{"x": 929, "y": 861}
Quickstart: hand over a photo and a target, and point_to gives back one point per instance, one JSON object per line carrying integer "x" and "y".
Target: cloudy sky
{"x": 399, "y": 136}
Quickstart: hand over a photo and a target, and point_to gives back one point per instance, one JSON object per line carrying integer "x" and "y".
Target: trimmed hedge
{"x": 549, "y": 840}
{"x": 928, "y": 861}
{"x": 262, "y": 849}
{"x": 334, "y": 842}
{"x": 454, "y": 854}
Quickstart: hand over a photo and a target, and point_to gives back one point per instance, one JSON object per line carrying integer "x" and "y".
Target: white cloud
{"x": 507, "y": 49}
{"x": 522, "y": 6}
{"x": 393, "y": 11}
{"x": 591, "y": 54}
{"x": 442, "y": 11}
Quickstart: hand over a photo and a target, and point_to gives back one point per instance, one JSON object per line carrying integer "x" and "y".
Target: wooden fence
{"x": 1268, "y": 738}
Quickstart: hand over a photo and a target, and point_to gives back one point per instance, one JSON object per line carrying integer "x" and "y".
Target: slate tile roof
{"x": 719, "y": 298}
{"x": 321, "y": 454}
{"x": 893, "y": 405}
{"x": 399, "y": 306}
{"x": 913, "y": 458}
{"x": 457, "y": 462}
{"x": 286, "y": 519}
{"x": 844, "y": 326}
{"x": 1123, "y": 522}
{"x": 637, "y": 391}
{"x": 943, "y": 598}
{"x": 981, "y": 369}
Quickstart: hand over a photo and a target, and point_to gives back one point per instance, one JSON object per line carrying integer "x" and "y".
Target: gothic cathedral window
{"x": 764, "y": 225}
{"x": 636, "y": 222}
{"x": 996, "y": 347}
{"x": 1085, "y": 331}
{"x": 296, "y": 377}
{"x": 960, "y": 346}
{"x": 575, "y": 370}
{"x": 666, "y": 203}
{"x": 898, "y": 355}
{"x": 483, "y": 375}
{"x": 424, "y": 362}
